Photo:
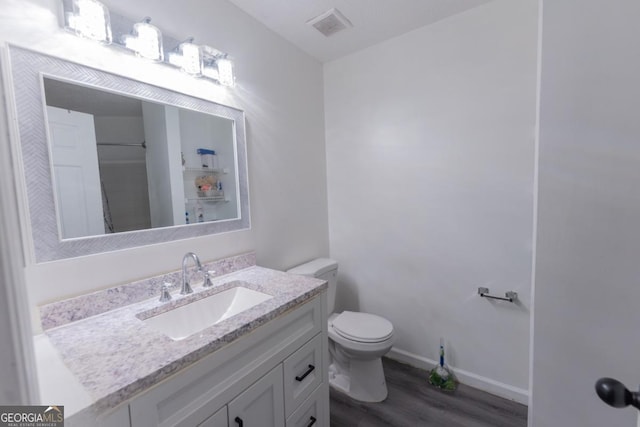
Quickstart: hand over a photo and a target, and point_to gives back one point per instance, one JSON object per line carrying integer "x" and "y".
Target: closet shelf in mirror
{"x": 210, "y": 170}
{"x": 208, "y": 199}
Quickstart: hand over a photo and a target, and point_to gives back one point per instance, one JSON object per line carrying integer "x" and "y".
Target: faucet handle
{"x": 164, "y": 292}
{"x": 207, "y": 278}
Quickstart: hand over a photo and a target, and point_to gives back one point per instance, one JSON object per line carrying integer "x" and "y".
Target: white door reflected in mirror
{"x": 75, "y": 169}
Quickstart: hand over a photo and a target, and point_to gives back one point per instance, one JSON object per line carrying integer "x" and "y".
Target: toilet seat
{"x": 362, "y": 327}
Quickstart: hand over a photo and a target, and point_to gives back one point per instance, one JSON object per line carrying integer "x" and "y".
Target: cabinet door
{"x": 261, "y": 405}
{"x": 219, "y": 419}
{"x": 75, "y": 167}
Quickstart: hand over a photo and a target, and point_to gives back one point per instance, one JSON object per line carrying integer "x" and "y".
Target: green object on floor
{"x": 441, "y": 376}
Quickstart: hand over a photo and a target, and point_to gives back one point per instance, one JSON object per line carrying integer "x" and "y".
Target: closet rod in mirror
{"x": 143, "y": 144}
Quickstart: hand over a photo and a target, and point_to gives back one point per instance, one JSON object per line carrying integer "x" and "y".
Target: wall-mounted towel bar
{"x": 510, "y": 296}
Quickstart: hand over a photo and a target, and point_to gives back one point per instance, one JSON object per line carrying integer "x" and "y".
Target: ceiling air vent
{"x": 330, "y": 22}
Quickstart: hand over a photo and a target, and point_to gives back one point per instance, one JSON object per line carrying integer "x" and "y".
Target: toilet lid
{"x": 362, "y": 327}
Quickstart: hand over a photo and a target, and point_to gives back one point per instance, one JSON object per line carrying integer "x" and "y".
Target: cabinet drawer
{"x": 303, "y": 373}
{"x": 311, "y": 412}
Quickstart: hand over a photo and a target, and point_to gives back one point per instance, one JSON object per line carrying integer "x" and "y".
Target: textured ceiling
{"x": 373, "y": 20}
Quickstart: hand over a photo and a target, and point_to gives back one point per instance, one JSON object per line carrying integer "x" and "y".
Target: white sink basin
{"x": 188, "y": 319}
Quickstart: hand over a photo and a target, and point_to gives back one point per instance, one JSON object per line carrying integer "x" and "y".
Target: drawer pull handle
{"x": 239, "y": 421}
{"x": 313, "y": 421}
{"x": 303, "y": 376}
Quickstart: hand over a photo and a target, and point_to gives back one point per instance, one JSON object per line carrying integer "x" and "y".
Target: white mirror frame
{"x": 27, "y": 70}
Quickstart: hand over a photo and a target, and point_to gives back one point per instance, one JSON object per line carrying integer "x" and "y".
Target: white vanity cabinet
{"x": 276, "y": 376}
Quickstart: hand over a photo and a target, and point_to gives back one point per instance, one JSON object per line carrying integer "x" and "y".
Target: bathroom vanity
{"x": 124, "y": 357}
{"x": 101, "y": 355}
{"x": 264, "y": 366}
{"x": 272, "y": 377}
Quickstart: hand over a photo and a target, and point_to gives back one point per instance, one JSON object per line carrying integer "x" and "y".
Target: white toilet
{"x": 357, "y": 341}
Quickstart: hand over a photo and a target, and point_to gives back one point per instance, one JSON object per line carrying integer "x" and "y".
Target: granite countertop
{"x": 115, "y": 356}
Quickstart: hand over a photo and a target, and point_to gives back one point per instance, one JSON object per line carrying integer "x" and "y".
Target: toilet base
{"x": 362, "y": 380}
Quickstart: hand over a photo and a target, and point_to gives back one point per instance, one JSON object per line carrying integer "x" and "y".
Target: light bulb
{"x": 146, "y": 41}
{"x": 90, "y": 19}
{"x": 225, "y": 72}
{"x": 188, "y": 57}
{"x": 191, "y": 60}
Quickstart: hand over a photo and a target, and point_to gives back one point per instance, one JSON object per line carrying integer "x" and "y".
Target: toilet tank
{"x": 321, "y": 268}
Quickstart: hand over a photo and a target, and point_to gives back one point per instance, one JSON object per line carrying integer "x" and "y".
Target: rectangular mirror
{"x": 121, "y": 163}
{"x": 112, "y": 163}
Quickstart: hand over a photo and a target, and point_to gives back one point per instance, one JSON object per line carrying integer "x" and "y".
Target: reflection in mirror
{"x": 96, "y": 188}
{"x": 121, "y": 163}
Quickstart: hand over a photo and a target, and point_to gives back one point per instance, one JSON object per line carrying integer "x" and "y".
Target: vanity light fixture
{"x": 145, "y": 40}
{"x": 216, "y": 66}
{"x": 211, "y": 72}
{"x": 225, "y": 72}
{"x": 187, "y": 56}
{"x": 209, "y": 58}
{"x": 90, "y": 19}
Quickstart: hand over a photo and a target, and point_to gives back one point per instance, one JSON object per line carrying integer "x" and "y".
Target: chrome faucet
{"x": 186, "y": 287}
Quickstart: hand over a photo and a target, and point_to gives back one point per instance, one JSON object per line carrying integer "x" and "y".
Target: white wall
{"x": 587, "y": 289}
{"x": 430, "y": 142}
{"x": 162, "y": 132}
{"x": 17, "y": 370}
{"x": 280, "y": 90}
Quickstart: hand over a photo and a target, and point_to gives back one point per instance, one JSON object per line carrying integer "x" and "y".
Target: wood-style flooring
{"x": 413, "y": 402}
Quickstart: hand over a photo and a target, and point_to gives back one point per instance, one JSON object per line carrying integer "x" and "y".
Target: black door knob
{"x": 614, "y": 393}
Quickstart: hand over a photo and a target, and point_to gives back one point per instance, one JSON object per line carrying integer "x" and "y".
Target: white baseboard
{"x": 476, "y": 381}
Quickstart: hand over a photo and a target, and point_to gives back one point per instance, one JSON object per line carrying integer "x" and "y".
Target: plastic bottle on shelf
{"x": 208, "y": 158}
